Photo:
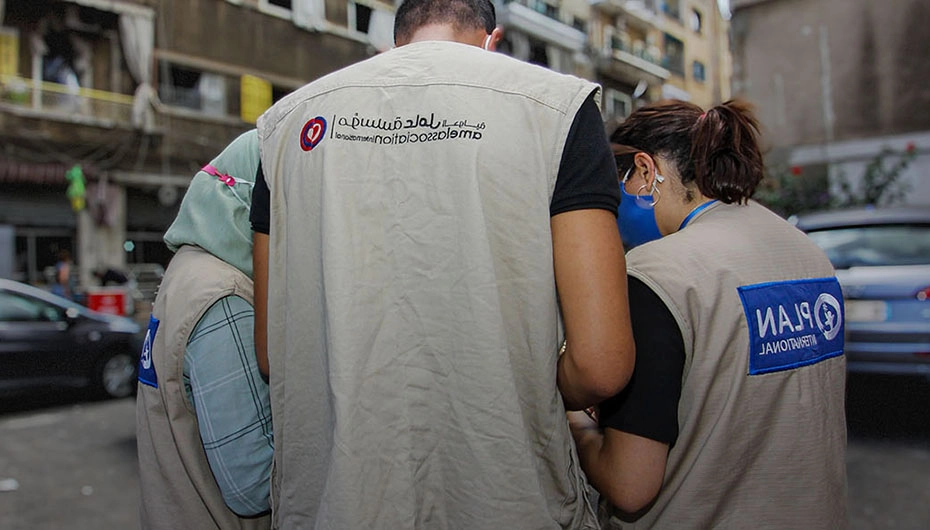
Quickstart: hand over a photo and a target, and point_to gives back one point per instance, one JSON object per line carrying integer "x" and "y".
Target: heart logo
{"x": 312, "y": 133}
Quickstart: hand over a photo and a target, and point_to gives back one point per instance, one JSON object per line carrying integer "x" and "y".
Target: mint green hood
{"x": 211, "y": 217}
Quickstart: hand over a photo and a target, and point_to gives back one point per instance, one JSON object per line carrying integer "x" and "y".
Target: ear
{"x": 645, "y": 168}
{"x": 496, "y": 36}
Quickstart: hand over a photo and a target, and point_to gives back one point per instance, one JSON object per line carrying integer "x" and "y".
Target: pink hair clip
{"x": 224, "y": 178}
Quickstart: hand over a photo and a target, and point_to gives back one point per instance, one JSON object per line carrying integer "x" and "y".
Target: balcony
{"x": 621, "y": 61}
{"x": 42, "y": 99}
{"x": 636, "y": 12}
{"x": 542, "y": 21}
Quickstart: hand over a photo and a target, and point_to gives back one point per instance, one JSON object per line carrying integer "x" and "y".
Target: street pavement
{"x": 70, "y": 463}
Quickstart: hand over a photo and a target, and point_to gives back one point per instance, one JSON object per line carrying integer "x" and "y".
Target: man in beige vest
{"x": 424, "y": 206}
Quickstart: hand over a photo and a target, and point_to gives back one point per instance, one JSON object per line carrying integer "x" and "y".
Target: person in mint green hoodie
{"x": 204, "y": 429}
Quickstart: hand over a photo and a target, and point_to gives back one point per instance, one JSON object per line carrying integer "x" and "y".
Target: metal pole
{"x": 826, "y": 85}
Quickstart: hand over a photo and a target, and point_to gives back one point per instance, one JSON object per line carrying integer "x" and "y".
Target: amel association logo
{"x": 312, "y": 133}
{"x": 828, "y": 314}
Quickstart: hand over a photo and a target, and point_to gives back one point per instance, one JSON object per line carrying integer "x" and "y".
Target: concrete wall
{"x": 849, "y": 159}
{"x": 832, "y": 70}
{"x": 227, "y": 33}
{"x": 101, "y": 230}
{"x": 838, "y": 81}
{"x": 7, "y": 250}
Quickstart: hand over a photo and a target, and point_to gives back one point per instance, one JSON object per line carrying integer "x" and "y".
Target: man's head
{"x": 462, "y": 18}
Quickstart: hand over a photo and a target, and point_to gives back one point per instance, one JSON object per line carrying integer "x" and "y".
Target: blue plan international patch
{"x": 147, "y": 375}
{"x": 793, "y": 323}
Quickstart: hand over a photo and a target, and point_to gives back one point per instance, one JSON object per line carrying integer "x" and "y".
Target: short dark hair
{"x": 718, "y": 150}
{"x": 462, "y": 14}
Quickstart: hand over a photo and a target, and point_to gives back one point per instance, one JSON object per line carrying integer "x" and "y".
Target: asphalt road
{"x": 70, "y": 463}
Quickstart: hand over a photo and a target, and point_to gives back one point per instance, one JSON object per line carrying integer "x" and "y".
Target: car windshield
{"x": 871, "y": 246}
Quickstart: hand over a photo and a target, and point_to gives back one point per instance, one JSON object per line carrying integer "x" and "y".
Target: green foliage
{"x": 794, "y": 190}
{"x": 881, "y": 184}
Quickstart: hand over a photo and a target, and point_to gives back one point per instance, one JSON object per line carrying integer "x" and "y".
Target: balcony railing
{"x": 551, "y": 11}
{"x": 617, "y": 44}
{"x": 631, "y": 63}
{"x": 542, "y": 21}
{"x": 637, "y": 12}
{"x": 64, "y": 102}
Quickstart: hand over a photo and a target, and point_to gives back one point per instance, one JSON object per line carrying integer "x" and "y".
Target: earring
{"x": 654, "y": 194}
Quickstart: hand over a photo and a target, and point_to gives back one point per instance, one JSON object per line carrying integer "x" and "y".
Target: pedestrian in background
{"x": 734, "y": 416}
{"x": 204, "y": 417}
{"x": 437, "y": 213}
{"x": 111, "y": 276}
{"x": 63, "y": 285}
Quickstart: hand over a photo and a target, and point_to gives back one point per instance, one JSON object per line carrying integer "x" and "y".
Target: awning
{"x": 52, "y": 173}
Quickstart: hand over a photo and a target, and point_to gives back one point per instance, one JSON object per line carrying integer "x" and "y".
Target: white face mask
{"x": 487, "y": 42}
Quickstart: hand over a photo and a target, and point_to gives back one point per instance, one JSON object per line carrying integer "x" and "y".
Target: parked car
{"x": 882, "y": 260}
{"x": 46, "y": 340}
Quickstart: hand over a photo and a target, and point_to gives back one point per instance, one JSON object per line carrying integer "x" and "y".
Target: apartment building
{"x": 545, "y": 32}
{"x": 131, "y": 97}
{"x": 645, "y": 50}
{"x": 139, "y": 94}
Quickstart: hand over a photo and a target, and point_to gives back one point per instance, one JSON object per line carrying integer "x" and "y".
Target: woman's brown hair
{"x": 718, "y": 149}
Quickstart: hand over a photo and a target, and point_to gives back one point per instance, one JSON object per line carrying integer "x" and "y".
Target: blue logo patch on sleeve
{"x": 147, "y": 375}
{"x": 793, "y": 323}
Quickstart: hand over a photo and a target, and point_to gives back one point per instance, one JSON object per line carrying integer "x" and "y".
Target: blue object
{"x": 636, "y": 218}
{"x": 793, "y": 323}
{"x": 147, "y": 375}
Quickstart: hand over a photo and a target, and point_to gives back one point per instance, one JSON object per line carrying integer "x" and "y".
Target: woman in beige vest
{"x": 734, "y": 416}
{"x": 204, "y": 415}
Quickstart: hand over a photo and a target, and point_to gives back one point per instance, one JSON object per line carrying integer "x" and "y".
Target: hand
{"x": 581, "y": 421}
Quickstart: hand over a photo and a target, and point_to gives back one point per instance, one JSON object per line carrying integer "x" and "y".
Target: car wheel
{"x": 116, "y": 375}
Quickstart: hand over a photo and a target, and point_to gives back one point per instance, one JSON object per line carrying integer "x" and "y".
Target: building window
{"x": 280, "y": 8}
{"x": 697, "y": 21}
{"x": 551, "y": 10}
{"x": 674, "y": 55}
{"x": 538, "y": 53}
{"x": 277, "y": 92}
{"x": 359, "y": 17}
{"x": 192, "y": 89}
{"x": 697, "y": 70}
{"x": 672, "y": 8}
{"x": 580, "y": 24}
{"x": 617, "y": 104}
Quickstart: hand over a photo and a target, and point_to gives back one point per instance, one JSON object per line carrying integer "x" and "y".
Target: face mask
{"x": 636, "y": 216}
{"x": 231, "y": 182}
{"x": 487, "y": 42}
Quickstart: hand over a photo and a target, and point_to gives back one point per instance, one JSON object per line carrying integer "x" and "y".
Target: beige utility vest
{"x": 753, "y": 451}
{"x": 178, "y": 488}
{"x": 413, "y": 322}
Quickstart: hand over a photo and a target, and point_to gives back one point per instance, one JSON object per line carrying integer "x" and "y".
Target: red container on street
{"x": 109, "y": 300}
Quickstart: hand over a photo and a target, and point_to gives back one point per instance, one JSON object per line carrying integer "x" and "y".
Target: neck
{"x": 692, "y": 208}
{"x": 444, "y": 32}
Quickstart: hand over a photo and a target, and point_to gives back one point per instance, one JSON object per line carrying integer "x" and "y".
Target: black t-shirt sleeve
{"x": 260, "y": 211}
{"x": 587, "y": 172}
{"x": 648, "y": 406}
